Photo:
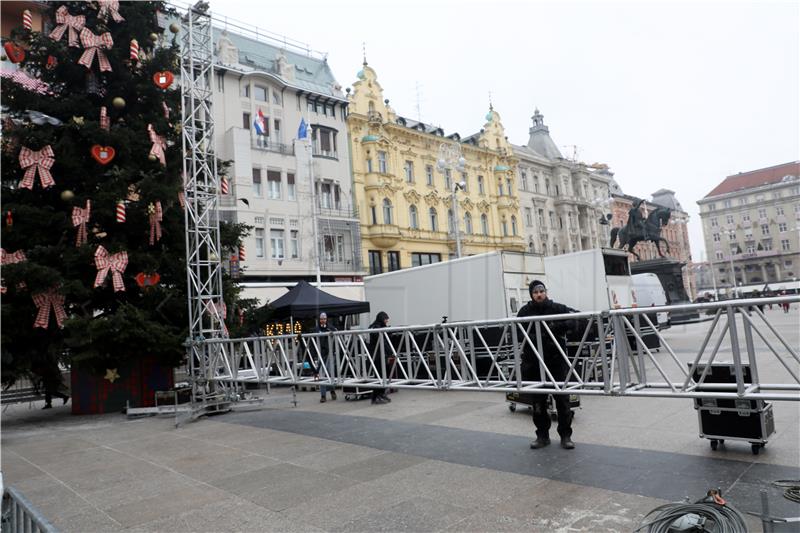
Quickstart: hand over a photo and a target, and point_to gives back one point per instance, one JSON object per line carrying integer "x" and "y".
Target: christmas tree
{"x": 94, "y": 260}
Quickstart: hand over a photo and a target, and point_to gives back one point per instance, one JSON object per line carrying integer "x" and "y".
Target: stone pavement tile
{"x": 224, "y": 433}
{"x": 281, "y": 486}
{"x": 220, "y": 465}
{"x": 58, "y": 500}
{"x": 134, "y": 512}
{"x": 16, "y": 468}
{"x": 87, "y": 521}
{"x": 377, "y": 466}
{"x": 481, "y": 522}
{"x": 329, "y": 459}
{"x": 41, "y": 450}
{"x": 287, "y": 448}
{"x": 442, "y": 413}
{"x": 116, "y": 431}
{"x": 112, "y": 492}
{"x": 77, "y": 463}
{"x": 620, "y": 512}
{"x": 416, "y": 514}
{"x": 549, "y": 504}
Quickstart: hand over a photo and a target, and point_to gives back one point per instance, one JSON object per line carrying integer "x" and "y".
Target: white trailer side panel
{"x": 580, "y": 280}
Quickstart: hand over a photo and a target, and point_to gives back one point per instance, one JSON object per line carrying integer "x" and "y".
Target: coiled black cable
{"x": 792, "y": 486}
{"x": 726, "y": 518}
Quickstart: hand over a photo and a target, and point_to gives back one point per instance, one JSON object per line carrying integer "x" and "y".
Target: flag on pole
{"x": 260, "y": 123}
{"x": 302, "y": 131}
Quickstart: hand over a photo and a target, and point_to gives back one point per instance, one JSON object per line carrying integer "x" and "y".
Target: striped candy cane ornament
{"x": 27, "y": 20}
{"x": 120, "y": 212}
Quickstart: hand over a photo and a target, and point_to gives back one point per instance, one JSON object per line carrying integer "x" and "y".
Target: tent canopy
{"x": 306, "y": 301}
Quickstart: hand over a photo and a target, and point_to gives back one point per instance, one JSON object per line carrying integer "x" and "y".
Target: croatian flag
{"x": 302, "y": 131}
{"x": 260, "y": 123}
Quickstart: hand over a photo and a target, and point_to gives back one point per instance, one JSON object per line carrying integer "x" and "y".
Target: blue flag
{"x": 302, "y": 131}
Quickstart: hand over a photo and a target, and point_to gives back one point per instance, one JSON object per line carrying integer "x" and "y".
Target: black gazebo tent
{"x": 307, "y": 301}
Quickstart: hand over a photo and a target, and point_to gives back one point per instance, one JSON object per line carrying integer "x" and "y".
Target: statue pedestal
{"x": 670, "y": 274}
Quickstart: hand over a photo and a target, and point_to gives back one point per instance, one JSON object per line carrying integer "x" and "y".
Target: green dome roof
{"x": 489, "y": 116}
{"x": 360, "y": 74}
{"x": 501, "y": 168}
{"x": 369, "y": 138}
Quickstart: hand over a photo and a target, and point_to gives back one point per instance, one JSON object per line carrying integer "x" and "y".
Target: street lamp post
{"x": 730, "y": 259}
{"x": 450, "y": 158}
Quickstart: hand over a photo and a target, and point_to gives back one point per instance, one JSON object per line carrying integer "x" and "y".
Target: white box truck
{"x": 650, "y": 293}
{"x": 479, "y": 287}
{"x": 590, "y": 280}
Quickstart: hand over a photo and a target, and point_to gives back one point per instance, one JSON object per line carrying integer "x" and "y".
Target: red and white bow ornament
{"x": 95, "y": 44}
{"x": 45, "y": 300}
{"x": 105, "y": 122}
{"x": 42, "y": 161}
{"x": 80, "y": 216}
{"x": 9, "y": 259}
{"x": 156, "y": 215}
{"x": 65, "y": 21}
{"x": 109, "y": 7}
{"x": 116, "y": 263}
{"x": 220, "y": 310}
{"x": 159, "y": 145}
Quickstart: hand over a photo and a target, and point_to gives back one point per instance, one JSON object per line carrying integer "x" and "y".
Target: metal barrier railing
{"x": 591, "y": 353}
{"x": 20, "y": 516}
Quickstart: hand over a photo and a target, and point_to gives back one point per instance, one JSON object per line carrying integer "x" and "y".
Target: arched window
{"x": 433, "y": 219}
{"x": 387, "y": 211}
{"x": 514, "y": 225}
{"x": 504, "y": 225}
{"x": 468, "y": 223}
{"x": 413, "y": 219}
{"x": 484, "y": 224}
{"x": 451, "y": 227}
{"x": 555, "y": 249}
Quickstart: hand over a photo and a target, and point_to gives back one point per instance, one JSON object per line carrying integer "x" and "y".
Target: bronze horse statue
{"x": 650, "y": 230}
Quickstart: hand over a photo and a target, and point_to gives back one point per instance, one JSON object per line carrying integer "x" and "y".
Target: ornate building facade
{"x": 751, "y": 227}
{"x": 405, "y": 197}
{"x": 562, "y": 201}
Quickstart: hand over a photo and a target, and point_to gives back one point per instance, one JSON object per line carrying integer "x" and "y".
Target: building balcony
{"x": 373, "y": 117}
{"x": 327, "y": 154}
{"x": 264, "y": 143}
{"x": 347, "y": 266}
{"x": 334, "y": 211}
{"x": 382, "y": 235}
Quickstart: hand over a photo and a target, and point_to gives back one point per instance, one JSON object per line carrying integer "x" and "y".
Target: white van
{"x": 650, "y": 293}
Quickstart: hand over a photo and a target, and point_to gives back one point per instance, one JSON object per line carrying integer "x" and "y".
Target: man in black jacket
{"x": 540, "y": 304}
{"x": 327, "y": 359}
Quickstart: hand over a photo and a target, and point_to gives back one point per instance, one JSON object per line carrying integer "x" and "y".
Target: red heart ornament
{"x": 163, "y": 79}
{"x": 147, "y": 280}
{"x": 103, "y": 154}
{"x": 15, "y": 53}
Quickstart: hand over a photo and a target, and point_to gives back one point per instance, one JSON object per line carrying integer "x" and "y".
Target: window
{"x": 311, "y": 106}
{"x": 374, "y": 214}
{"x": 276, "y": 242}
{"x": 499, "y": 187}
{"x": 729, "y": 219}
{"x": 375, "y": 265}
{"x": 535, "y": 183}
{"x": 547, "y": 186}
{"x": 767, "y": 244}
{"x": 291, "y": 191}
{"x": 540, "y": 216}
{"x": 718, "y": 254}
{"x": 715, "y": 237}
{"x": 324, "y": 195}
{"x": 448, "y": 179}
{"x": 277, "y": 129}
{"x": 333, "y": 248}
{"x": 257, "y": 182}
{"x": 246, "y": 121}
{"x": 387, "y": 211}
{"x": 513, "y": 225}
{"x": 465, "y": 179}
{"x": 260, "y": 93}
{"x": 764, "y": 229}
{"x": 528, "y": 217}
{"x": 409, "y": 170}
{"x": 221, "y": 82}
{"x": 746, "y": 216}
{"x": 480, "y": 185}
{"x": 331, "y": 112}
{"x": 779, "y": 211}
{"x": 552, "y": 220}
{"x": 294, "y": 244}
{"x": 714, "y": 222}
{"x": 510, "y": 186}
{"x": 751, "y": 249}
{"x": 727, "y": 203}
{"x": 468, "y": 223}
{"x": 504, "y": 225}
{"x": 369, "y": 165}
{"x": 274, "y": 184}
{"x": 785, "y": 245}
{"x": 776, "y": 195}
{"x": 762, "y": 213}
{"x": 712, "y": 207}
{"x": 324, "y": 141}
{"x": 244, "y": 90}
{"x": 484, "y": 225}
{"x": 418, "y": 259}
{"x": 429, "y": 174}
{"x": 732, "y": 236}
{"x": 743, "y": 201}
{"x": 277, "y": 99}
{"x": 451, "y": 227}
{"x": 523, "y": 180}
{"x": 433, "y": 219}
{"x": 413, "y": 217}
{"x": 382, "y": 167}
{"x": 394, "y": 261}
{"x": 782, "y": 227}
{"x": 259, "y": 242}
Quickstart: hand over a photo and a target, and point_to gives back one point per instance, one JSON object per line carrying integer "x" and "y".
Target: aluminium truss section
{"x": 605, "y": 354}
{"x": 201, "y": 186}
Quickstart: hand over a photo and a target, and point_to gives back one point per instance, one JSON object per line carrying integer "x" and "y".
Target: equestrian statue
{"x": 639, "y": 229}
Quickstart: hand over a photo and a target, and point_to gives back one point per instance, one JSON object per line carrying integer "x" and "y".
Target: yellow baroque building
{"x": 405, "y": 196}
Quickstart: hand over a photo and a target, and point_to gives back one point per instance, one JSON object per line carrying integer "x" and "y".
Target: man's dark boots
{"x": 567, "y": 443}
{"x": 540, "y": 442}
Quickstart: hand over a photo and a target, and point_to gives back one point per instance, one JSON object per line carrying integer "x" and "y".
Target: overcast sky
{"x": 676, "y": 95}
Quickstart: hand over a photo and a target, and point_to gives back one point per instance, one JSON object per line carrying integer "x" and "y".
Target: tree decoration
{"x": 103, "y": 154}
{"x": 10, "y": 259}
{"x": 52, "y": 62}
{"x": 109, "y": 7}
{"x": 94, "y": 85}
{"x": 41, "y": 161}
{"x": 111, "y": 375}
{"x": 159, "y": 145}
{"x": 118, "y": 102}
{"x": 27, "y": 20}
{"x": 182, "y": 199}
{"x": 67, "y": 195}
{"x": 242, "y": 253}
{"x": 14, "y": 53}
{"x": 80, "y": 216}
{"x": 9, "y": 219}
{"x": 134, "y": 50}
{"x": 156, "y": 216}
{"x": 95, "y": 46}
{"x": 44, "y": 301}
{"x": 174, "y": 28}
{"x": 66, "y": 22}
{"x": 120, "y": 216}
{"x": 147, "y": 281}
{"x": 105, "y": 122}
{"x": 105, "y": 263}
{"x": 222, "y": 310}
{"x": 163, "y": 79}
{"x": 166, "y": 109}
{"x": 223, "y": 185}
